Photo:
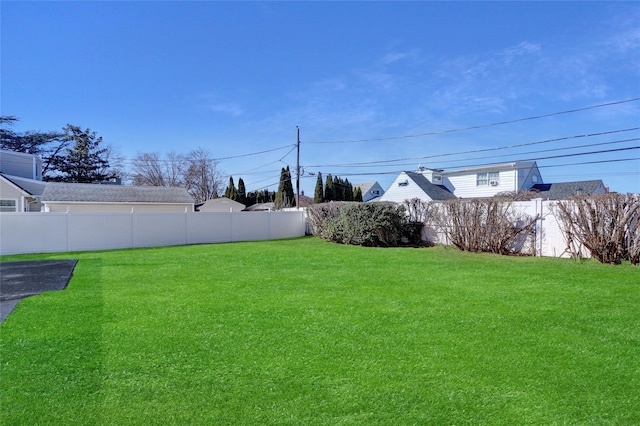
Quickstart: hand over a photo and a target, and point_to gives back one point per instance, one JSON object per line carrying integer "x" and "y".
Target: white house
{"x": 410, "y": 185}
{"x": 370, "y": 190}
{"x": 20, "y": 182}
{"x": 20, "y": 164}
{"x": 85, "y": 197}
{"x": 222, "y": 204}
{"x": 482, "y": 182}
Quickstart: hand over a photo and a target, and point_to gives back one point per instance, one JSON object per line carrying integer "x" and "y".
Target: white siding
{"x": 398, "y": 193}
{"x": 465, "y": 185}
{"x": 20, "y": 164}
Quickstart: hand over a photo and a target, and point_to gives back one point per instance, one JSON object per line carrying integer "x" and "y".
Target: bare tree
{"x": 607, "y": 225}
{"x": 150, "y": 169}
{"x": 202, "y": 178}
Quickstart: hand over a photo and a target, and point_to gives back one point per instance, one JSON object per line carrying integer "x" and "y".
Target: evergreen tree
{"x": 242, "y": 192}
{"x": 357, "y": 194}
{"x": 318, "y": 195}
{"x": 348, "y": 190}
{"x": 231, "y": 192}
{"x": 337, "y": 189}
{"x": 84, "y": 161}
{"x": 329, "y": 193}
{"x": 289, "y": 194}
{"x": 280, "y": 202}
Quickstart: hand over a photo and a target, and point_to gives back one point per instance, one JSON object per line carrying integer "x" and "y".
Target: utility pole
{"x": 298, "y": 170}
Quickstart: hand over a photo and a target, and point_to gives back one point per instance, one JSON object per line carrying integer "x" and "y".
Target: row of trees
{"x": 282, "y": 198}
{"x": 335, "y": 189}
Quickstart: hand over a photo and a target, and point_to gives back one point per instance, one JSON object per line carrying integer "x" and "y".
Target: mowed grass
{"x": 305, "y": 332}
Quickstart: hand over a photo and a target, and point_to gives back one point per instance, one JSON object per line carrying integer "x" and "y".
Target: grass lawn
{"x": 305, "y": 332}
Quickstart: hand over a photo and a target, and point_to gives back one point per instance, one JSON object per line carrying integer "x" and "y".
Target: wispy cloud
{"x": 226, "y": 108}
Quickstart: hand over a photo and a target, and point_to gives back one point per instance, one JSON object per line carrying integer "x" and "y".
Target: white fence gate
{"x": 60, "y": 232}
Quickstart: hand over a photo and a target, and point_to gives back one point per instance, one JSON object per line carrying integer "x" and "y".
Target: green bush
{"x": 366, "y": 224}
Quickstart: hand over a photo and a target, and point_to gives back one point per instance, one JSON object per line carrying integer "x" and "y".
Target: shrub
{"x": 487, "y": 225}
{"x": 365, "y": 224}
{"x": 607, "y": 225}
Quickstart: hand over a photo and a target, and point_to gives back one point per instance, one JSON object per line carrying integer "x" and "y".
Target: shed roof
{"x": 85, "y": 192}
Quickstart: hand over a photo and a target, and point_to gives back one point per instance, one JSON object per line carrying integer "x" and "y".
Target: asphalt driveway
{"x": 23, "y": 279}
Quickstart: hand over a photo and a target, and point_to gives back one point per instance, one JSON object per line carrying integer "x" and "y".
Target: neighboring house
{"x": 20, "y": 164}
{"x": 564, "y": 190}
{"x": 370, "y": 190}
{"x": 483, "y": 182}
{"x": 409, "y": 185}
{"x": 18, "y": 194}
{"x": 84, "y": 197}
{"x": 222, "y": 204}
{"x": 20, "y": 182}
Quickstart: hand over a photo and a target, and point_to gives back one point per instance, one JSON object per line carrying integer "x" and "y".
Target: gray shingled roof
{"x": 32, "y": 186}
{"x": 85, "y": 192}
{"x": 564, "y": 190}
{"x": 435, "y": 192}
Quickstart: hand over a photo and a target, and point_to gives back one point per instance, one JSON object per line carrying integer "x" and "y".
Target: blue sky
{"x": 236, "y": 78}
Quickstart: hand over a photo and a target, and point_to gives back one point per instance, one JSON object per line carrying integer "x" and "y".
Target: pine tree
{"x": 329, "y": 192}
{"x": 289, "y": 194}
{"x": 318, "y": 195}
{"x": 242, "y": 192}
{"x": 84, "y": 161}
{"x": 279, "y": 202}
{"x": 338, "y": 191}
{"x": 348, "y": 190}
{"x": 357, "y": 194}
{"x": 231, "y": 192}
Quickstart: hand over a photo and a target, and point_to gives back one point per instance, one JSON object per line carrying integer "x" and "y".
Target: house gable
{"x": 409, "y": 185}
{"x": 15, "y": 196}
{"x": 370, "y": 190}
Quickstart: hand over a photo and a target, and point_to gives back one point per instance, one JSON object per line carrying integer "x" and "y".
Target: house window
{"x": 437, "y": 178}
{"x": 375, "y": 192}
{"x": 403, "y": 183}
{"x": 490, "y": 178}
{"x": 8, "y": 206}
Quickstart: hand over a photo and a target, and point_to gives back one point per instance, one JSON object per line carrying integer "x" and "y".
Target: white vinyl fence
{"x": 60, "y": 232}
{"x": 547, "y": 238}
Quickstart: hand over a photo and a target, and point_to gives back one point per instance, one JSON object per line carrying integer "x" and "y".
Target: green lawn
{"x": 305, "y": 332}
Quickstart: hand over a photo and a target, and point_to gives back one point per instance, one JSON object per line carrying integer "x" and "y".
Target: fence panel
{"x": 211, "y": 227}
{"x": 99, "y": 231}
{"x": 33, "y": 232}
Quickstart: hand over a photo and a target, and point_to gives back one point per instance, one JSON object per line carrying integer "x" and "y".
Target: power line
{"x": 373, "y": 164}
{"x": 483, "y": 149}
{"x": 395, "y": 172}
{"x": 481, "y": 126}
